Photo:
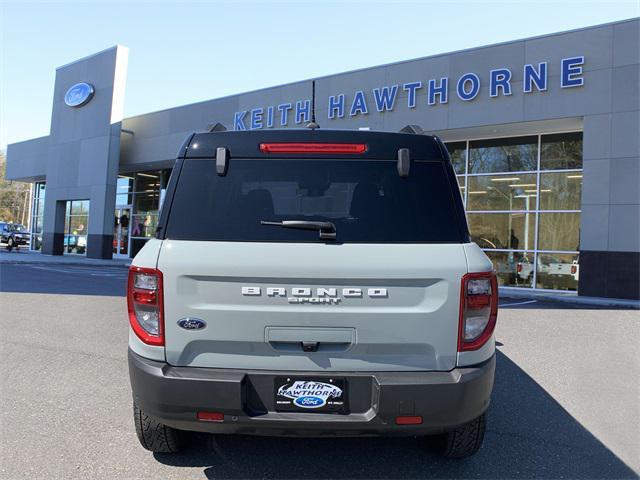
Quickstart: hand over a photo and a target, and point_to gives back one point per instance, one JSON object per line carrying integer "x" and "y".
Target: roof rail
{"x": 416, "y": 129}
{"x": 216, "y": 127}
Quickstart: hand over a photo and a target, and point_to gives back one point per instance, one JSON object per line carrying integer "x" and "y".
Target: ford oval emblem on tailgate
{"x": 190, "y": 323}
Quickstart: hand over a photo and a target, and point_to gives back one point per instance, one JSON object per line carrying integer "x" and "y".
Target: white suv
{"x": 315, "y": 283}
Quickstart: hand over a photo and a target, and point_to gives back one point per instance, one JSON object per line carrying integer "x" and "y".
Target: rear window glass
{"x": 366, "y": 200}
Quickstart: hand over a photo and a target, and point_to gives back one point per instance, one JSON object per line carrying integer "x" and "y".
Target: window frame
{"x": 537, "y": 210}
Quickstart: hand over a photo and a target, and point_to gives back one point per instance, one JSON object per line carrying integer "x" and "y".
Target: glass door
{"x": 75, "y": 226}
{"x": 121, "y": 231}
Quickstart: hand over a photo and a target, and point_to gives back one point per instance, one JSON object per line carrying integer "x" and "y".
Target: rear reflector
{"x": 409, "y": 420}
{"x": 211, "y": 416}
{"x": 352, "y": 148}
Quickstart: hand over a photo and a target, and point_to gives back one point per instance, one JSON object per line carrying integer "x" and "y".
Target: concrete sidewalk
{"x": 29, "y": 257}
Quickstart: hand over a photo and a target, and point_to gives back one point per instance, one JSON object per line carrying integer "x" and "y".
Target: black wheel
{"x": 465, "y": 440}
{"x": 155, "y": 436}
{"x": 10, "y": 244}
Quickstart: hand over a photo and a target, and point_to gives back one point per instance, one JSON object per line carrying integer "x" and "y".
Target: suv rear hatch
{"x": 383, "y": 295}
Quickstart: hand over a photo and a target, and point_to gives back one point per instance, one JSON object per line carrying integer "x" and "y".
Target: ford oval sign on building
{"x": 79, "y": 94}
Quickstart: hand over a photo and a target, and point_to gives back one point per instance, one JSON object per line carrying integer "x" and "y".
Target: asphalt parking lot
{"x": 565, "y": 403}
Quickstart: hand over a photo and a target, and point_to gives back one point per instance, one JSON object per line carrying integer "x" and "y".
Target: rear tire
{"x": 155, "y": 436}
{"x": 465, "y": 440}
{"x": 10, "y": 244}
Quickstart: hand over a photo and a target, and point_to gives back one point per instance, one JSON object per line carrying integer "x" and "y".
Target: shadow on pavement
{"x": 529, "y": 436}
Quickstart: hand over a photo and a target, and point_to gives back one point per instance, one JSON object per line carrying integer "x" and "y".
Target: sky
{"x": 183, "y": 52}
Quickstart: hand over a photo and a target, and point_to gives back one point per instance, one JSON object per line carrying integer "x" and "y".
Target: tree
{"x": 14, "y": 197}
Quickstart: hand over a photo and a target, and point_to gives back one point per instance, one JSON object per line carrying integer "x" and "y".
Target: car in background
{"x": 561, "y": 275}
{"x": 13, "y": 235}
{"x": 552, "y": 272}
{"x": 524, "y": 270}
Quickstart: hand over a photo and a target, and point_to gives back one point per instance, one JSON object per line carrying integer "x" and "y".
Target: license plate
{"x": 304, "y": 394}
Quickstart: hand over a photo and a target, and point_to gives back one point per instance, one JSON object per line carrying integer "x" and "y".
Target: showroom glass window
{"x": 37, "y": 215}
{"x": 144, "y": 191}
{"x": 124, "y": 191}
{"x": 522, "y": 196}
{"x": 76, "y": 225}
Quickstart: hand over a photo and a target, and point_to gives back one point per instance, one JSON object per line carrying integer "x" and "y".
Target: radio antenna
{"x": 313, "y": 125}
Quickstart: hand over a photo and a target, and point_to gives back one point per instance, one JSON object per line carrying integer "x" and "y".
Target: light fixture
{"x": 482, "y": 192}
{"x": 506, "y": 179}
{"x": 574, "y": 176}
{"x": 147, "y": 175}
{"x": 517, "y": 185}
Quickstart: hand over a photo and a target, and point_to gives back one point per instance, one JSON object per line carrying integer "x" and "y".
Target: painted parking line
{"x": 81, "y": 271}
{"x": 527, "y": 302}
{"x": 49, "y": 269}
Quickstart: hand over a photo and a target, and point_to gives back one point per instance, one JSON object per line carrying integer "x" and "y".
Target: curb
{"x": 73, "y": 263}
{"x": 570, "y": 298}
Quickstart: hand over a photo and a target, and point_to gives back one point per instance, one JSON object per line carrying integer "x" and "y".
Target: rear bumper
{"x": 444, "y": 400}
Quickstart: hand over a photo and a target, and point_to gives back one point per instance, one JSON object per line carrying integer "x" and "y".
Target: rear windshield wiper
{"x": 327, "y": 230}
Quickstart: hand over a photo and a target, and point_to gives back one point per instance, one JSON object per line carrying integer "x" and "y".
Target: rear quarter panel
{"x": 147, "y": 257}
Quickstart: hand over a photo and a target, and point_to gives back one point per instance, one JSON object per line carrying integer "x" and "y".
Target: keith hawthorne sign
{"x": 433, "y": 92}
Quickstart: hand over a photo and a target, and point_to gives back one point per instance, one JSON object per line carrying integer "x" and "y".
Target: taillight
{"x": 353, "y": 148}
{"x": 144, "y": 299}
{"x": 478, "y": 310}
{"x": 574, "y": 269}
{"x": 519, "y": 268}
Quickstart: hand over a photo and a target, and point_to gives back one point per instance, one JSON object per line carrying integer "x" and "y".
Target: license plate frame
{"x": 310, "y": 392}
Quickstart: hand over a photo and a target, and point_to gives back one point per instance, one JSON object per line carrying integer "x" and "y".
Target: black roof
{"x": 246, "y": 144}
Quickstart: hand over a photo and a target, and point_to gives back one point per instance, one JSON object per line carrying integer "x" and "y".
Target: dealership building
{"x": 543, "y": 134}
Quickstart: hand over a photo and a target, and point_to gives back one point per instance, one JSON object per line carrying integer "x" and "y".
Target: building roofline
{"x": 115, "y": 47}
{"x": 35, "y": 139}
{"x": 390, "y": 64}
